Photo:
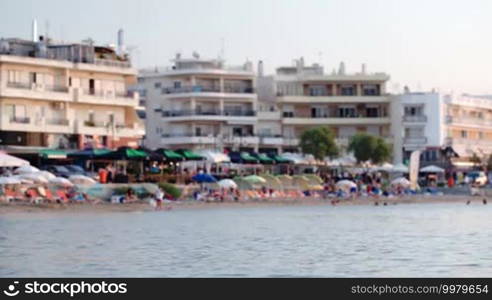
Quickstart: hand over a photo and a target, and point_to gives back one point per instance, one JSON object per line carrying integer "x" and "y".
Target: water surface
{"x": 412, "y": 240}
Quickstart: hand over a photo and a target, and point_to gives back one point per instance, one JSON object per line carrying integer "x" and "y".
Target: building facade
{"x": 306, "y": 97}
{"x": 66, "y": 96}
{"x": 418, "y": 124}
{"x": 200, "y": 104}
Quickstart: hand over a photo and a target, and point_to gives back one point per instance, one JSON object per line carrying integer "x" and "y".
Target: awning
{"x": 53, "y": 154}
{"x": 88, "y": 153}
{"x": 248, "y": 158}
{"x": 125, "y": 153}
{"x": 281, "y": 160}
{"x": 170, "y": 154}
{"x": 11, "y": 161}
{"x": 264, "y": 159}
{"x": 190, "y": 155}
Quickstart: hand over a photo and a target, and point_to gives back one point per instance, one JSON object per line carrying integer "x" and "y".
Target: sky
{"x": 423, "y": 44}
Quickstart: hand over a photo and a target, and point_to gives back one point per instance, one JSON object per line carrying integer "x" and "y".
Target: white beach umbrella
{"x": 432, "y": 169}
{"x": 227, "y": 183}
{"x": 47, "y": 175}
{"x": 9, "y": 180}
{"x": 385, "y": 167}
{"x": 34, "y": 177}
{"x": 214, "y": 156}
{"x": 81, "y": 179}
{"x": 26, "y": 169}
{"x": 12, "y": 161}
{"x": 345, "y": 184}
{"x": 61, "y": 181}
{"x": 401, "y": 181}
{"x": 400, "y": 168}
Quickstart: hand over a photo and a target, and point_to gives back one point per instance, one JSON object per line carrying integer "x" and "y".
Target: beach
{"x": 143, "y": 206}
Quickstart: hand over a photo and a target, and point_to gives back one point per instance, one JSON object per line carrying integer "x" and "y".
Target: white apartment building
{"x": 418, "y": 124}
{"x": 70, "y": 96}
{"x": 306, "y": 97}
{"x": 200, "y": 104}
{"x": 468, "y": 121}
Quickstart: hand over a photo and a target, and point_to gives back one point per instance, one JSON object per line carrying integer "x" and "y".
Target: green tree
{"x": 368, "y": 147}
{"x": 320, "y": 142}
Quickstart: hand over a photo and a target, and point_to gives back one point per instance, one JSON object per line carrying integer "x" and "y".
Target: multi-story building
{"x": 200, "y": 103}
{"x": 306, "y": 97}
{"x": 468, "y": 122}
{"x": 418, "y": 124}
{"x": 66, "y": 95}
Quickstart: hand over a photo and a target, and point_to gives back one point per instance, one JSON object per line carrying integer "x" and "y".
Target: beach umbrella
{"x": 81, "y": 179}
{"x": 400, "y": 168}
{"x": 345, "y": 184}
{"x": 47, "y": 175}
{"x": 26, "y": 169}
{"x": 11, "y": 161}
{"x": 61, "y": 181}
{"x": 387, "y": 167}
{"x": 243, "y": 184}
{"x": 204, "y": 178}
{"x": 314, "y": 179}
{"x": 170, "y": 155}
{"x": 227, "y": 183}
{"x": 254, "y": 179}
{"x": 401, "y": 181}
{"x": 34, "y": 177}
{"x": 151, "y": 155}
{"x": 190, "y": 155}
{"x": 214, "y": 156}
{"x": 272, "y": 181}
{"x": 432, "y": 169}
{"x": 9, "y": 180}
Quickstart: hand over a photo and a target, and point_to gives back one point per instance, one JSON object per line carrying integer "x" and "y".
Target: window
{"x": 317, "y": 90}
{"x": 372, "y": 112}
{"x": 480, "y": 135}
{"x": 348, "y": 90}
{"x": 157, "y": 85}
{"x": 346, "y": 112}
{"x": 370, "y": 90}
{"x": 177, "y": 84}
{"x": 464, "y": 134}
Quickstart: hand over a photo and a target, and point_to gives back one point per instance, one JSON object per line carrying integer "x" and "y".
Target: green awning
{"x": 281, "y": 160}
{"x": 190, "y": 155}
{"x": 53, "y": 154}
{"x": 264, "y": 158}
{"x": 124, "y": 153}
{"x": 247, "y": 157}
{"x": 170, "y": 154}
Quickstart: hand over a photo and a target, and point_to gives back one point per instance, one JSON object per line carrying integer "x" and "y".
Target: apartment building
{"x": 66, "y": 95}
{"x": 418, "y": 124}
{"x": 468, "y": 121}
{"x": 301, "y": 97}
{"x": 200, "y": 103}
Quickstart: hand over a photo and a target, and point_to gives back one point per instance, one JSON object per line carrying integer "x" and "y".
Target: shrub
{"x": 170, "y": 189}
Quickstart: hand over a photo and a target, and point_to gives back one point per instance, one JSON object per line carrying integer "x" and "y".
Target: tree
{"x": 368, "y": 147}
{"x": 320, "y": 142}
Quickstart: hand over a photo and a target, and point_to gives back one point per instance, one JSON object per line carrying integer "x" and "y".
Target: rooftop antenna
{"x": 34, "y": 32}
{"x": 47, "y": 28}
{"x": 222, "y": 48}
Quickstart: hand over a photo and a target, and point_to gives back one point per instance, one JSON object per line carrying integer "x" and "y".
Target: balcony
{"x": 178, "y": 139}
{"x": 415, "y": 119}
{"x": 36, "y": 91}
{"x": 20, "y": 120}
{"x": 209, "y": 91}
{"x": 304, "y": 120}
{"x": 305, "y": 99}
{"x": 468, "y": 122}
{"x": 57, "y": 125}
{"x": 274, "y": 140}
{"x": 415, "y": 140}
{"x": 230, "y": 116}
{"x": 106, "y": 97}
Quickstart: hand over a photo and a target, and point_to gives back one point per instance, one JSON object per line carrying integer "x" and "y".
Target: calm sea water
{"x": 403, "y": 240}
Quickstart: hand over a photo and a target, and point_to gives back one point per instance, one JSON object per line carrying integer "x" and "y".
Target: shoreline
{"x": 9, "y": 208}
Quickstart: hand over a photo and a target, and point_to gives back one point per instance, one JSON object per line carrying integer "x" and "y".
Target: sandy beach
{"x": 6, "y": 208}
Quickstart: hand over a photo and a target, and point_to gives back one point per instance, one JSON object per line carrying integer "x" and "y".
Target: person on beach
{"x": 159, "y": 198}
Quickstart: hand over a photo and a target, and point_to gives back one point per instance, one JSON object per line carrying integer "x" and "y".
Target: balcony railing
{"x": 20, "y": 120}
{"x": 332, "y": 115}
{"x": 56, "y": 88}
{"x": 112, "y": 63}
{"x": 215, "y": 112}
{"x": 419, "y": 118}
{"x": 415, "y": 140}
{"x": 62, "y": 122}
{"x": 94, "y": 124}
{"x": 206, "y": 89}
{"x": 19, "y": 85}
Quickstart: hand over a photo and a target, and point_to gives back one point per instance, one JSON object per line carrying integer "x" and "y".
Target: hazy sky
{"x": 425, "y": 44}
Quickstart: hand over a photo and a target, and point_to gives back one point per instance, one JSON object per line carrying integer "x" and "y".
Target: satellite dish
{"x": 196, "y": 55}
